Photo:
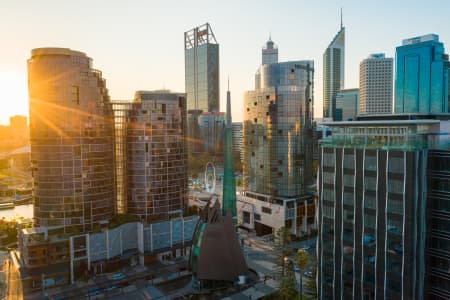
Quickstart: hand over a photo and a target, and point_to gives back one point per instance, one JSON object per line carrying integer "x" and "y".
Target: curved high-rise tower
{"x": 277, "y": 146}
{"x": 72, "y": 141}
{"x": 333, "y": 73}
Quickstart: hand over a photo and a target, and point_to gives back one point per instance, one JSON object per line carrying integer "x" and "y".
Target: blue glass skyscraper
{"x": 422, "y": 76}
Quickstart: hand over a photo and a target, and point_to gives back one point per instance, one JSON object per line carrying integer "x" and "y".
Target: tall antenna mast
{"x": 341, "y": 19}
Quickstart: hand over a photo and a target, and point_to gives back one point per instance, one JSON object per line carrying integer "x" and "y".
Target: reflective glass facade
{"x": 437, "y": 253}
{"x": 333, "y": 73}
{"x": 277, "y": 130}
{"x": 156, "y": 155}
{"x": 212, "y": 131}
{"x": 201, "y": 57}
{"x": 72, "y": 141}
{"x": 381, "y": 200}
{"x": 422, "y": 76}
{"x": 121, "y": 110}
{"x": 347, "y": 104}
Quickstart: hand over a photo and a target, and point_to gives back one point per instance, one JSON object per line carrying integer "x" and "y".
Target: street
{"x": 260, "y": 257}
{"x": 11, "y": 287}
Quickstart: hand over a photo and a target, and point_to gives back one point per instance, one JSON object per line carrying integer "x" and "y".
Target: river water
{"x": 25, "y": 211}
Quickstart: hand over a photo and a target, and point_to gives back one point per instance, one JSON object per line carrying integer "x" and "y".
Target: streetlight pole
{"x": 301, "y": 283}
{"x": 43, "y": 283}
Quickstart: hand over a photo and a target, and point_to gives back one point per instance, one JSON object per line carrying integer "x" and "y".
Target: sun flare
{"x": 14, "y": 95}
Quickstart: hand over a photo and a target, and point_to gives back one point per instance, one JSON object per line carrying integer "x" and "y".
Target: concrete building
{"x": 237, "y": 138}
{"x": 333, "y": 73}
{"x": 347, "y": 104}
{"x": 19, "y": 127}
{"x": 422, "y": 76}
{"x": 156, "y": 155}
{"x": 277, "y": 145}
{"x": 72, "y": 141}
{"x": 375, "y": 84}
{"x": 382, "y": 186}
{"x": 48, "y": 259}
{"x": 269, "y": 53}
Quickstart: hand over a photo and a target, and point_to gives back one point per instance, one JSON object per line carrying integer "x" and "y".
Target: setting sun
{"x": 13, "y": 87}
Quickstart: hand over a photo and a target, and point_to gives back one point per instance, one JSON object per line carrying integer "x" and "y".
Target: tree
{"x": 302, "y": 260}
{"x": 282, "y": 249}
{"x": 284, "y": 269}
{"x": 287, "y": 283}
{"x": 311, "y": 284}
{"x": 197, "y": 163}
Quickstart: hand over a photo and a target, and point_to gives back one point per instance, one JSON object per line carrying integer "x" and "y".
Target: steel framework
{"x": 200, "y": 35}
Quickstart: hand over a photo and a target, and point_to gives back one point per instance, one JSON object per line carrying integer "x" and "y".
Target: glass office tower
{"x": 212, "y": 131}
{"x": 72, "y": 141}
{"x": 383, "y": 211}
{"x": 277, "y": 130}
{"x": 277, "y": 134}
{"x": 333, "y": 73}
{"x": 347, "y": 104}
{"x": 422, "y": 76}
{"x": 201, "y": 55}
{"x": 156, "y": 155}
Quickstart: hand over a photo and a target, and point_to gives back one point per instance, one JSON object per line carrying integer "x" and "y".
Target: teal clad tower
{"x": 422, "y": 76}
{"x": 229, "y": 182}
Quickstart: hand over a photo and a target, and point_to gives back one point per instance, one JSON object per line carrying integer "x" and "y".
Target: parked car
{"x": 308, "y": 274}
{"x": 110, "y": 288}
{"x": 93, "y": 292}
{"x": 117, "y": 276}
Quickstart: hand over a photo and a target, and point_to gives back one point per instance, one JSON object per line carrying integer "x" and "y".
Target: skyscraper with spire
{"x": 229, "y": 182}
{"x": 333, "y": 72}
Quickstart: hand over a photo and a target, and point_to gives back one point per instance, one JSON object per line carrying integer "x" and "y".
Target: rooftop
{"x": 420, "y": 39}
{"x": 394, "y": 133}
{"x": 55, "y": 51}
{"x": 377, "y": 55}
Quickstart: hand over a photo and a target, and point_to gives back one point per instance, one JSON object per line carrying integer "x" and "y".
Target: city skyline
{"x": 124, "y": 45}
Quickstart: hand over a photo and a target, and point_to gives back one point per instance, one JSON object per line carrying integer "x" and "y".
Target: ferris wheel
{"x": 210, "y": 178}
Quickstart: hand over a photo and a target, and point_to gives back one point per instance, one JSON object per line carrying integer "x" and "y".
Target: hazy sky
{"x": 139, "y": 44}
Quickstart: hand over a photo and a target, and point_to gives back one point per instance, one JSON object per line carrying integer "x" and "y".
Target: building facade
{"x": 277, "y": 134}
{"x": 48, "y": 260}
{"x": 72, "y": 141}
{"x": 422, "y": 76}
{"x": 347, "y": 104}
{"x": 201, "y": 56}
{"x": 19, "y": 127}
{"x": 212, "y": 131}
{"x": 375, "y": 84}
{"x": 381, "y": 209}
{"x": 269, "y": 53}
{"x": 333, "y": 73}
{"x": 237, "y": 138}
{"x": 156, "y": 155}
{"x": 121, "y": 109}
